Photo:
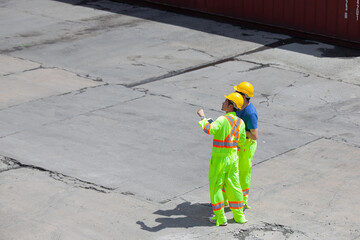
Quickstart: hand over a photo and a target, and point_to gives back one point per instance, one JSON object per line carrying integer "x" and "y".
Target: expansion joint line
{"x": 14, "y": 164}
{"x": 290, "y": 150}
{"x": 213, "y": 63}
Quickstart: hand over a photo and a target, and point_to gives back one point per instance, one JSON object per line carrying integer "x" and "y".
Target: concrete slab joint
{"x": 12, "y": 164}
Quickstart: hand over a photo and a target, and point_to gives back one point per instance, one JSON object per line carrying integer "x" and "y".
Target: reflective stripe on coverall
{"x": 223, "y": 167}
{"x": 246, "y": 153}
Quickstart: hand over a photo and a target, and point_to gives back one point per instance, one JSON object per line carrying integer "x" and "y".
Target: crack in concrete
{"x": 338, "y": 138}
{"x": 147, "y": 92}
{"x": 10, "y": 165}
{"x": 10, "y": 134}
{"x": 287, "y": 128}
{"x": 267, "y": 96}
{"x": 290, "y": 150}
{"x": 77, "y": 91}
{"x": 15, "y": 164}
{"x": 26, "y": 70}
{"x": 180, "y": 195}
{"x": 250, "y": 233}
{"x": 267, "y": 101}
{"x": 160, "y": 95}
{"x": 144, "y": 64}
{"x": 197, "y": 50}
{"x": 133, "y": 99}
{"x": 318, "y": 75}
{"x": 258, "y": 67}
{"x": 87, "y": 76}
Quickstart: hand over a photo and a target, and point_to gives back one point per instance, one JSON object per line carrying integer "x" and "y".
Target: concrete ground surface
{"x": 99, "y": 136}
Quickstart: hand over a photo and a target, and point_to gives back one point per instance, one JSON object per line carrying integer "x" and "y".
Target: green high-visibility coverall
{"x": 223, "y": 167}
{"x": 246, "y": 153}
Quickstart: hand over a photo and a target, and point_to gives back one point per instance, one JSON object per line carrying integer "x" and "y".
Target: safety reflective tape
{"x": 234, "y": 130}
{"x": 231, "y": 120}
{"x": 221, "y": 144}
{"x": 236, "y": 205}
{"x": 246, "y": 192}
{"x": 217, "y": 206}
{"x": 237, "y": 135}
{"x": 223, "y": 188}
{"x": 207, "y": 128}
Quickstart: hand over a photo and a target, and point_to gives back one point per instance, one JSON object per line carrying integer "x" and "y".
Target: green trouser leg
{"x": 217, "y": 169}
{"x": 246, "y": 154}
{"x": 223, "y": 172}
{"x": 234, "y": 192}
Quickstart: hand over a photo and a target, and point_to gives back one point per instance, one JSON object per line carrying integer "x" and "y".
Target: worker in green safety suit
{"x": 223, "y": 167}
{"x": 246, "y": 151}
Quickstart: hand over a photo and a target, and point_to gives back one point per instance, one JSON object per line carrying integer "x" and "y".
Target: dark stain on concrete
{"x": 267, "y": 228}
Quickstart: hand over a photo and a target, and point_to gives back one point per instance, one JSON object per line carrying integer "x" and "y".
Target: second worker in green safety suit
{"x": 247, "y": 150}
{"x": 223, "y": 167}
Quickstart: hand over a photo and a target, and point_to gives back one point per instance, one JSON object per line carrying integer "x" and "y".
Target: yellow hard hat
{"x": 245, "y": 87}
{"x": 236, "y": 98}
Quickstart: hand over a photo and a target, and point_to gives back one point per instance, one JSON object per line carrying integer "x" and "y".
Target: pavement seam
{"x": 77, "y": 91}
{"x": 342, "y": 140}
{"x": 174, "y": 73}
{"x": 85, "y": 76}
{"x": 180, "y": 195}
{"x": 26, "y": 70}
{"x": 290, "y": 150}
{"x": 14, "y": 164}
{"x": 282, "y": 67}
{"x": 284, "y": 127}
{"x": 57, "y": 176}
{"x": 179, "y": 72}
{"x": 147, "y": 92}
{"x": 307, "y": 143}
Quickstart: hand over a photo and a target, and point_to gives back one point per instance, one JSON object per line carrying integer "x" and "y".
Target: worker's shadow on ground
{"x": 189, "y": 215}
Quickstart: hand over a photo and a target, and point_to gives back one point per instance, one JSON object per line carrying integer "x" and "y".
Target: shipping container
{"x": 332, "y": 20}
